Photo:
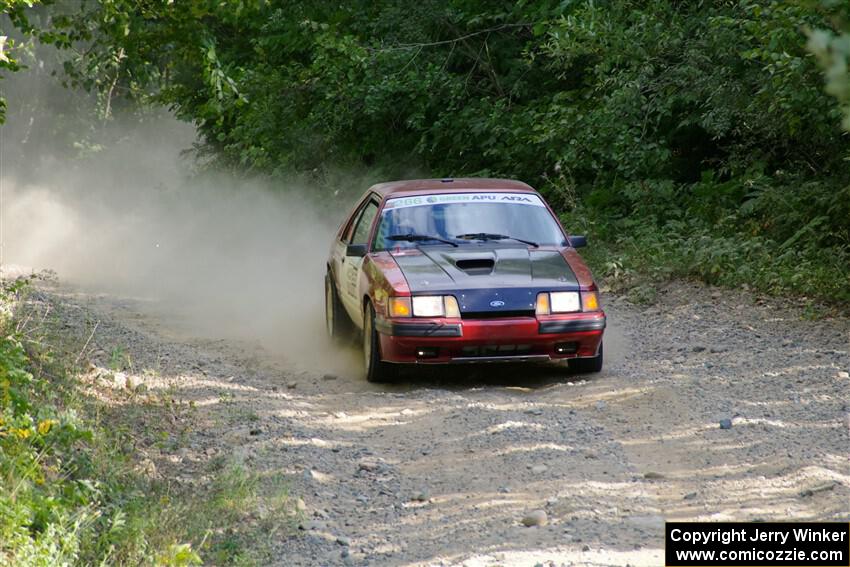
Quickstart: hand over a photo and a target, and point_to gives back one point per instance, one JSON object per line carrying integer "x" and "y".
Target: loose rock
{"x": 133, "y": 382}
{"x": 535, "y": 518}
{"x": 421, "y": 496}
{"x": 369, "y": 466}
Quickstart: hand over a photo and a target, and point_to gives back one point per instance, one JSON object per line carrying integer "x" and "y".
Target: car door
{"x": 351, "y": 265}
{"x": 340, "y": 245}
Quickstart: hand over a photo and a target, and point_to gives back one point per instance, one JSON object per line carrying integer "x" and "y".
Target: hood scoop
{"x": 482, "y": 266}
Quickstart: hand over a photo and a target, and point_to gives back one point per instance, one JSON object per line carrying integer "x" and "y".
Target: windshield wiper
{"x": 420, "y": 238}
{"x": 489, "y": 236}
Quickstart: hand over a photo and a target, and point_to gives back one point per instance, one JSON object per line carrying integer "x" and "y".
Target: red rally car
{"x": 461, "y": 270}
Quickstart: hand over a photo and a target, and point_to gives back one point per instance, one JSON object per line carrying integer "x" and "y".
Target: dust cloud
{"x": 221, "y": 256}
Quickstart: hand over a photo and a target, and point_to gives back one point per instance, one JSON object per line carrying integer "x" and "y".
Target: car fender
{"x": 380, "y": 279}
{"x": 583, "y": 274}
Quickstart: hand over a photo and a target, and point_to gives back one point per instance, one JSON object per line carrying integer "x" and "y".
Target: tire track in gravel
{"x": 442, "y": 468}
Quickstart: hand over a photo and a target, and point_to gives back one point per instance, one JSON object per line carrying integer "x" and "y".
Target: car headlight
{"x": 435, "y": 306}
{"x": 428, "y": 306}
{"x": 424, "y": 306}
{"x": 558, "y": 302}
{"x": 564, "y": 302}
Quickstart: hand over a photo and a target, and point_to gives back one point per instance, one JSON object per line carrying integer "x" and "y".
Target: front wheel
{"x": 586, "y": 365}
{"x": 376, "y": 369}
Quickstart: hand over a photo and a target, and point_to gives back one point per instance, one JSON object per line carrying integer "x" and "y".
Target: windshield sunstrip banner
{"x": 450, "y": 198}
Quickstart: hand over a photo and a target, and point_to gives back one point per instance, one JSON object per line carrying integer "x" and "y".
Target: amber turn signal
{"x": 589, "y": 301}
{"x": 542, "y": 307}
{"x": 400, "y": 307}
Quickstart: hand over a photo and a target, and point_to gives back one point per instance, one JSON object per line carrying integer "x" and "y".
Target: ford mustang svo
{"x": 460, "y": 271}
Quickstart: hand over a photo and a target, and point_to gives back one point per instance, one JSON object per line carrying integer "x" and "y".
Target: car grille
{"x": 496, "y": 314}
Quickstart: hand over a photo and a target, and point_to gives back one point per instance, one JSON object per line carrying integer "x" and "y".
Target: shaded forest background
{"x": 696, "y": 138}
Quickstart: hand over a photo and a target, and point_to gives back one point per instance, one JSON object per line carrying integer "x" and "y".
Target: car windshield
{"x": 466, "y": 218}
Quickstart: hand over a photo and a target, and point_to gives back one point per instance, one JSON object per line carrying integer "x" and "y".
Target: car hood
{"x": 486, "y": 279}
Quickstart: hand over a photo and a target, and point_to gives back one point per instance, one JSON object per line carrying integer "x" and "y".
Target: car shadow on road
{"x": 411, "y": 377}
{"x": 466, "y": 376}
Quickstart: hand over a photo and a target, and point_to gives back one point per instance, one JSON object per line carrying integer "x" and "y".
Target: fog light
{"x": 427, "y": 352}
{"x": 566, "y": 348}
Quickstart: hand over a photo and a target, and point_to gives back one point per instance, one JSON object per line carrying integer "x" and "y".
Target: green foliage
{"x": 630, "y": 256}
{"x": 832, "y": 48}
{"x": 707, "y": 113}
{"x": 119, "y": 360}
{"x": 44, "y": 505}
{"x": 70, "y": 491}
{"x": 44, "y": 502}
{"x": 8, "y": 62}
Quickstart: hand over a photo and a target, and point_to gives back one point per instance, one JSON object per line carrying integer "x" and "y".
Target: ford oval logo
{"x": 497, "y": 303}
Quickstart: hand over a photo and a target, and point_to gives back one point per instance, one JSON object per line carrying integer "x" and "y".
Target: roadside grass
{"x": 631, "y": 257}
{"x": 75, "y": 487}
{"x": 119, "y": 360}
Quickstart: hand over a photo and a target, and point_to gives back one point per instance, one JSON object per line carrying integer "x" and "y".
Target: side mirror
{"x": 578, "y": 241}
{"x": 357, "y": 250}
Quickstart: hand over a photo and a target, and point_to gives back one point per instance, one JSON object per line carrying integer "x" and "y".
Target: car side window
{"x": 364, "y": 223}
{"x": 352, "y": 222}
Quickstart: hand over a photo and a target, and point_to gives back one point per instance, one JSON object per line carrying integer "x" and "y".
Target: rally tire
{"x": 337, "y": 323}
{"x": 376, "y": 369}
{"x": 586, "y": 365}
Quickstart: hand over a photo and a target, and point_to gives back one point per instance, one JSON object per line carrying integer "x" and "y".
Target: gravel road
{"x": 519, "y": 465}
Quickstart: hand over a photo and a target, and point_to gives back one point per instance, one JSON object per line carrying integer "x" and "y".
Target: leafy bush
{"x": 628, "y": 255}
{"x": 655, "y": 111}
{"x": 45, "y": 503}
{"x": 71, "y": 492}
{"x": 832, "y": 48}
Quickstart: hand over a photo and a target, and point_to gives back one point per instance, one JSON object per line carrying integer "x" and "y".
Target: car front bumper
{"x": 509, "y": 339}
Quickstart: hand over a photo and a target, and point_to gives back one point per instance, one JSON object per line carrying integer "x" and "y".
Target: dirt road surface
{"x": 445, "y": 467}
